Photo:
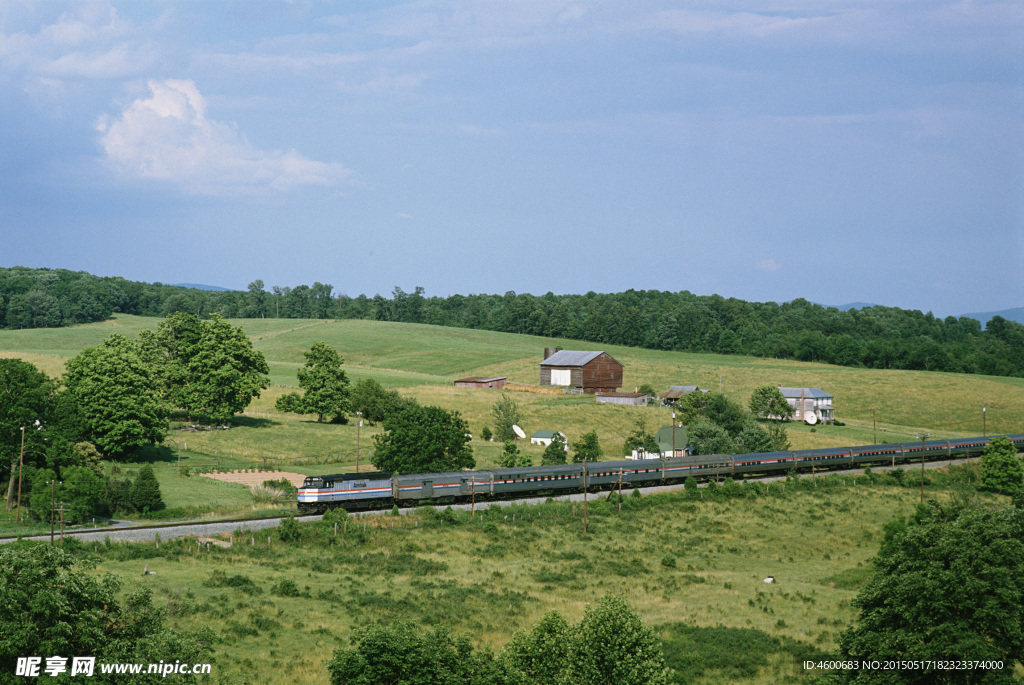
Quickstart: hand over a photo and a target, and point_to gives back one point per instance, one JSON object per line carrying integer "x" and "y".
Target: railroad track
{"x": 168, "y": 531}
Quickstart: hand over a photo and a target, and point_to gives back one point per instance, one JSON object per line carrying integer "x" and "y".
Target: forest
{"x": 872, "y": 337}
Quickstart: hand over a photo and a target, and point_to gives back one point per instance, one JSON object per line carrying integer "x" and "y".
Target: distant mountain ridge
{"x": 1014, "y": 314}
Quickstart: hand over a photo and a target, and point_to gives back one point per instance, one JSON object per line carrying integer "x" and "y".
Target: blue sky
{"x": 836, "y": 150}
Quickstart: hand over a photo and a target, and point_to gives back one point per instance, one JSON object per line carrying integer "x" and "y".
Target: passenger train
{"x": 376, "y": 489}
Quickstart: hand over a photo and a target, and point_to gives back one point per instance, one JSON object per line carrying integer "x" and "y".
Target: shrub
{"x": 289, "y": 529}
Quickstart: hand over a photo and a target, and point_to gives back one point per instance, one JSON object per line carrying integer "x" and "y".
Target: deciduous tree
{"x": 708, "y": 437}
{"x": 118, "y": 396}
{"x": 587, "y": 448}
{"x": 325, "y": 384}
{"x": 375, "y": 402}
{"x": 25, "y": 394}
{"x": 641, "y": 440}
{"x": 423, "y": 439}
{"x": 612, "y": 646}
{"x": 50, "y": 607}
{"x": 540, "y": 653}
{"x": 768, "y": 401}
{"x": 398, "y": 654}
{"x": 1000, "y": 468}
{"x": 511, "y": 457}
{"x": 228, "y": 373}
{"x": 948, "y": 586}
{"x": 506, "y": 414}
{"x": 555, "y": 452}
{"x": 754, "y": 438}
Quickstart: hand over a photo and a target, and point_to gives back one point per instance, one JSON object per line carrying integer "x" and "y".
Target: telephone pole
{"x": 922, "y": 436}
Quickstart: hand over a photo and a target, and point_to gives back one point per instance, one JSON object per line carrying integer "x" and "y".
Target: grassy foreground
{"x": 693, "y": 568}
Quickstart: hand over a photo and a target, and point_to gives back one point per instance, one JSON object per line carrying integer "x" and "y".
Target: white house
{"x": 811, "y": 405}
{"x": 545, "y": 438}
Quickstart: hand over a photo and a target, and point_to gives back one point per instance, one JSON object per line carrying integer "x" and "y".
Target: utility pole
{"x": 585, "y": 498}
{"x": 359, "y": 425}
{"x": 21, "y": 469}
{"x": 53, "y": 484}
{"x": 984, "y": 426}
{"x": 61, "y": 510}
{"x": 874, "y": 425}
{"x": 674, "y": 432}
{"x": 922, "y": 436}
{"x": 620, "y": 489}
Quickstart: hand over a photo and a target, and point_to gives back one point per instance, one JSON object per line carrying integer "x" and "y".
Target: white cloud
{"x": 769, "y": 265}
{"x": 168, "y": 137}
{"x": 88, "y": 42}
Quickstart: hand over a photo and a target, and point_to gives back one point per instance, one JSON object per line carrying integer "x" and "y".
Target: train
{"x": 376, "y": 489}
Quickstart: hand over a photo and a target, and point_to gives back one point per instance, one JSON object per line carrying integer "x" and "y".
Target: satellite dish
{"x": 518, "y": 431}
{"x": 810, "y": 417}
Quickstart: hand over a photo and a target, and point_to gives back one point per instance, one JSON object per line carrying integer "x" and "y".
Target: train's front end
{"x": 314, "y": 494}
{"x": 348, "y": 490}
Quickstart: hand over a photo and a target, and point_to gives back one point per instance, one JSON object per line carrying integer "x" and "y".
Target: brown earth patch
{"x": 257, "y": 478}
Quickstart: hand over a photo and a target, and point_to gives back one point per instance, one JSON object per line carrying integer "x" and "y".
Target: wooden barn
{"x": 587, "y": 371}
{"x": 480, "y": 382}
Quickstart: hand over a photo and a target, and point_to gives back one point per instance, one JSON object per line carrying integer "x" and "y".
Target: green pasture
{"x": 422, "y": 361}
{"x": 694, "y": 569}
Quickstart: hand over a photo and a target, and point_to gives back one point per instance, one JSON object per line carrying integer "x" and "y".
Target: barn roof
{"x": 571, "y": 358}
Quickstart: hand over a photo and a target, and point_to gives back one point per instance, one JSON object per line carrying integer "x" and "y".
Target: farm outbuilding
{"x": 544, "y": 437}
{"x": 481, "y": 382}
{"x": 591, "y": 372}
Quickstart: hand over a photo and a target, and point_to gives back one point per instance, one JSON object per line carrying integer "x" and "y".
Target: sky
{"x": 835, "y": 150}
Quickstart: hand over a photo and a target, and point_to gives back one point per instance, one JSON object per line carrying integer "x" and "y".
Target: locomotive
{"x": 374, "y": 490}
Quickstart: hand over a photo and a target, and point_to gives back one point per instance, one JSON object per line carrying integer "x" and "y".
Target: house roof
{"x": 677, "y": 391}
{"x": 571, "y": 358}
{"x": 806, "y": 393}
{"x": 546, "y": 434}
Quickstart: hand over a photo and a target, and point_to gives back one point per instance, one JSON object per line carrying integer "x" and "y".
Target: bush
{"x": 285, "y": 587}
{"x": 289, "y": 530}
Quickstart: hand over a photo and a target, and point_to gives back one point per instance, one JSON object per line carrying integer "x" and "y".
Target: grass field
{"x": 422, "y": 361}
{"x": 694, "y": 569}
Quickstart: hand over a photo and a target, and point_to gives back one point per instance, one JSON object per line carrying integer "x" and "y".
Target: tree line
{"x": 873, "y": 337}
{"x": 114, "y": 399}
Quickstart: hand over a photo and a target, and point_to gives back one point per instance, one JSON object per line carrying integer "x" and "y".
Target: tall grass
{"x": 694, "y": 569}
